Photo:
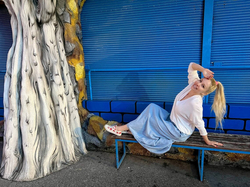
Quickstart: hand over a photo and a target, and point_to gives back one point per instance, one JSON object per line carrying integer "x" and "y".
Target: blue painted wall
{"x": 237, "y": 118}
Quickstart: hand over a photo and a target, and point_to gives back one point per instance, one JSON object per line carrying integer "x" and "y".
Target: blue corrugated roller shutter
{"x": 231, "y": 47}
{"x": 5, "y": 43}
{"x": 231, "y": 33}
{"x": 236, "y": 84}
{"x": 138, "y": 85}
{"x": 141, "y": 34}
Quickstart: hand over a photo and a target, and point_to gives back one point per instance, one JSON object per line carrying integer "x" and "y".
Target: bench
{"x": 232, "y": 143}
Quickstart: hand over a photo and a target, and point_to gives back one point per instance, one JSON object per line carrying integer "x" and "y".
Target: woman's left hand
{"x": 208, "y": 74}
{"x": 213, "y": 143}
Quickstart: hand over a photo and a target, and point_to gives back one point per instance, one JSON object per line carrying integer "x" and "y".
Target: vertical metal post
{"x": 202, "y": 165}
{"x": 199, "y": 161}
{"x": 207, "y": 35}
{"x": 117, "y": 154}
{"x": 90, "y": 86}
{"x": 124, "y": 147}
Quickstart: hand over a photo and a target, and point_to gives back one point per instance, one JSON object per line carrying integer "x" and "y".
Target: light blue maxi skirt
{"x": 154, "y": 130}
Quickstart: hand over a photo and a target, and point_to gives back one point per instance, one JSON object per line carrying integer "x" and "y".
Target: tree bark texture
{"x": 42, "y": 130}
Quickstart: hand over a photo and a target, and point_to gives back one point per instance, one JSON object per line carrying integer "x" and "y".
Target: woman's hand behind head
{"x": 208, "y": 74}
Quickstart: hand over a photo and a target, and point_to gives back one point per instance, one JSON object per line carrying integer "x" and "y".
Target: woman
{"x": 156, "y": 130}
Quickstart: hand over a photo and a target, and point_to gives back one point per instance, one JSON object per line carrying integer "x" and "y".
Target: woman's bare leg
{"x": 122, "y": 128}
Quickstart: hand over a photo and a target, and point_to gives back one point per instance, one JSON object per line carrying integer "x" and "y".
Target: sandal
{"x": 112, "y": 129}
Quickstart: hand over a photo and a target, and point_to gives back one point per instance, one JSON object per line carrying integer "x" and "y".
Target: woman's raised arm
{"x": 206, "y": 72}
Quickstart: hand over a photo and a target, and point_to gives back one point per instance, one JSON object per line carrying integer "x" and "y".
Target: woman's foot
{"x": 113, "y": 130}
{"x": 126, "y": 132}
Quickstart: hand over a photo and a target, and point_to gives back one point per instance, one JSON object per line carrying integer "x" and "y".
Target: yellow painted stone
{"x": 82, "y": 3}
{"x": 79, "y": 71}
{"x": 72, "y": 5}
{"x": 179, "y": 156}
{"x": 97, "y": 124}
{"x": 238, "y": 157}
{"x": 186, "y": 151}
{"x": 77, "y": 58}
{"x": 137, "y": 149}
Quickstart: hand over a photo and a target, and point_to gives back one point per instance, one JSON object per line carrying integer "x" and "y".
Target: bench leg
{"x": 201, "y": 163}
{"x": 119, "y": 162}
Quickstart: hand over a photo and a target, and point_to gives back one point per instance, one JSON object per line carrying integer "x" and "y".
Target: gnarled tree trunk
{"x": 42, "y": 126}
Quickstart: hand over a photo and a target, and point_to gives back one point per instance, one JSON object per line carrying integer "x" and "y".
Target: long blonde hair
{"x": 219, "y": 104}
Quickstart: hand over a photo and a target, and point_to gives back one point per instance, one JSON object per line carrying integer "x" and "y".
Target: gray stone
{"x": 69, "y": 47}
{"x": 66, "y": 17}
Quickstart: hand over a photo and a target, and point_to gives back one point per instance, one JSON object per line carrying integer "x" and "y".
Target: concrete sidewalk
{"x": 98, "y": 169}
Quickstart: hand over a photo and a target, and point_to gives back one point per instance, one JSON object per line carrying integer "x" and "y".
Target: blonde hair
{"x": 219, "y": 104}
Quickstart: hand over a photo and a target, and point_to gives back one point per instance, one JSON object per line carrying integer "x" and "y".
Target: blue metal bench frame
{"x": 201, "y": 151}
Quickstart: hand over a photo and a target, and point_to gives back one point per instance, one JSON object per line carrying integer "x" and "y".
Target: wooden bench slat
{"x": 230, "y": 141}
{"x": 236, "y": 142}
{"x": 224, "y": 147}
{"x": 124, "y": 137}
{"x": 231, "y": 137}
{"x": 240, "y": 140}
